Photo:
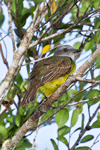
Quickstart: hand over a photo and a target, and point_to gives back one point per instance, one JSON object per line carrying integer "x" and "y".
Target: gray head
{"x": 69, "y": 51}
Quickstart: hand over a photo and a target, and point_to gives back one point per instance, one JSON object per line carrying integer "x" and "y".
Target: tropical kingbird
{"x": 48, "y": 74}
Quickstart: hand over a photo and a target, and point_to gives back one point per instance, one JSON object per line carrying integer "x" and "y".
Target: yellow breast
{"x": 50, "y": 87}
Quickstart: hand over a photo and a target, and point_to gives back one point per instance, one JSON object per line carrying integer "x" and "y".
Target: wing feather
{"x": 57, "y": 71}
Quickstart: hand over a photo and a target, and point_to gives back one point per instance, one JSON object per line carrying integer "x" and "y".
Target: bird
{"x": 48, "y": 74}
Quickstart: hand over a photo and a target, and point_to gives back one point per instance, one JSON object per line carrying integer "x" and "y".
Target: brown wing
{"x": 56, "y": 71}
{"x": 29, "y": 96}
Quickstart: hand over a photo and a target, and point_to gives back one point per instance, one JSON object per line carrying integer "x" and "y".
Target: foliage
{"x": 89, "y": 41}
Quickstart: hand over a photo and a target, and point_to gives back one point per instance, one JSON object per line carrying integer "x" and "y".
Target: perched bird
{"x": 48, "y": 74}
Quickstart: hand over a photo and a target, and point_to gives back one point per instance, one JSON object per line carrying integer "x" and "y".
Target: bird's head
{"x": 68, "y": 51}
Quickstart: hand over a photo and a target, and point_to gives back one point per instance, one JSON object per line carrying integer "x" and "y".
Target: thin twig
{"x": 87, "y": 80}
{"x": 33, "y": 145}
{"x": 16, "y": 20}
{"x": 93, "y": 30}
{"x": 95, "y": 141}
{"x": 4, "y": 60}
{"x": 10, "y": 22}
{"x": 91, "y": 67}
{"x": 5, "y": 36}
{"x": 84, "y": 101}
{"x": 34, "y": 61}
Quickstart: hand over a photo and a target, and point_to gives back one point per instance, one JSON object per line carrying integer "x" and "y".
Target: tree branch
{"x": 87, "y": 80}
{"x": 10, "y": 22}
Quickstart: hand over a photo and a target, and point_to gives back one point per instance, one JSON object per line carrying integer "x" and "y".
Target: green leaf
{"x": 3, "y": 116}
{"x": 79, "y": 96}
{"x": 62, "y": 117}
{"x": 77, "y": 45}
{"x": 11, "y": 93}
{"x": 24, "y": 15}
{"x": 98, "y": 36}
{"x": 74, "y": 117}
{"x": 98, "y": 116}
{"x": 63, "y": 99}
{"x": 63, "y": 139}
{"x": 96, "y": 4}
{"x": 19, "y": 6}
{"x": 74, "y": 12}
{"x": 82, "y": 148}
{"x": 23, "y": 86}
{"x": 3, "y": 131}
{"x": 19, "y": 79}
{"x": 1, "y": 17}
{"x": 92, "y": 94}
{"x": 17, "y": 33}
{"x": 60, "y": 2}
{"x": 21, "y": 111}
{"x": 47, "y": 115}
{"x": 87, "y": 138}
{"x": 89, "y": 45}
{"x": 58, "y": 38}
{"x": 97, "y": 78}
{"x": 38, "y": 1}
{"x": 98, "y": 62}
{"x": 28, "y": 66}
{"x": 54, "y": 144}
{"x": 82, "y": 122}
{"x": 23, "y": 144}
{"x": 96, "y": 124}
{"x": 97, "y": 24}
{"x": 29, "y": 111}
{"x": 71, "y": 93}
{"x": 63, "y": 130}
{"x": 65, "y": 26}
{"x": 12, "y": 129}
{"x": 80, "y": 107}
{"x": 10, "y": 119}
{"x": 83, "y": 8}
{"x": 18, "y": 120}
{"x": 77, "y": 129}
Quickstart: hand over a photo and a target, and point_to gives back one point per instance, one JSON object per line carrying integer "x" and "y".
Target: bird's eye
{"x": 65, "y": 49}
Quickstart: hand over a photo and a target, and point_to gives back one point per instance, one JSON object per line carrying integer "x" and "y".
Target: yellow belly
{"x": 50, "y": 87}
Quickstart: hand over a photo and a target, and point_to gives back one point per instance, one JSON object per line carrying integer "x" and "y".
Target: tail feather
{"x": 29, "y": 96}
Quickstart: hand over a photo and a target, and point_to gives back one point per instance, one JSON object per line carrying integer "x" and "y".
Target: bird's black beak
{"x": 78, "y": 50}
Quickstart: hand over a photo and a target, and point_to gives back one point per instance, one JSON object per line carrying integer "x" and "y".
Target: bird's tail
{"x": 29, "y": 96}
